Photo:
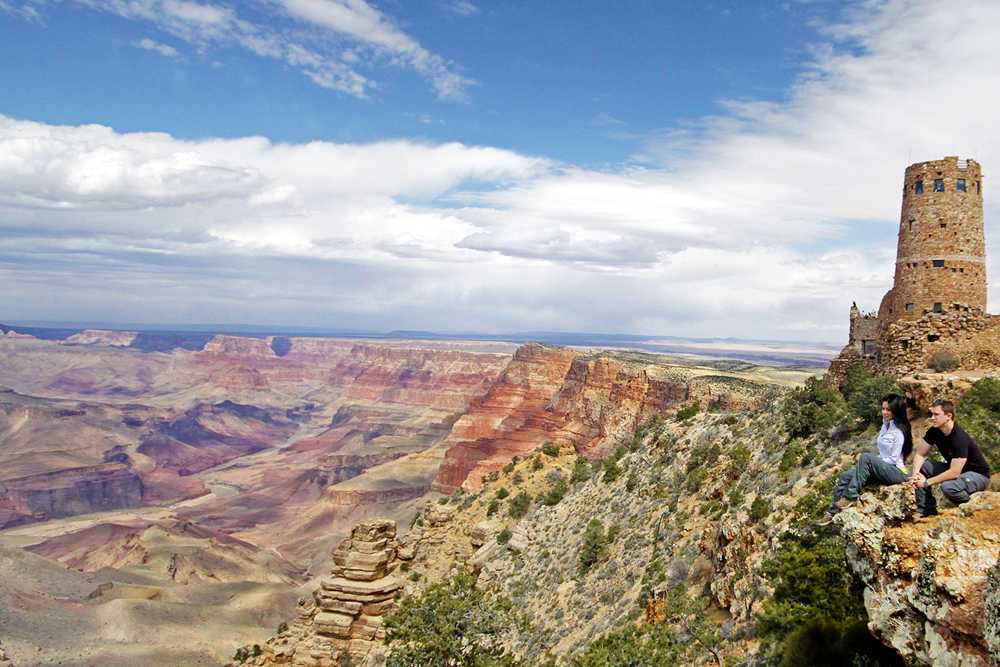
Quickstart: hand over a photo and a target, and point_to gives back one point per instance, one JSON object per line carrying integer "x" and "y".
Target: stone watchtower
{"x": 941, "y": 252}
{"x": 935, "y": 314}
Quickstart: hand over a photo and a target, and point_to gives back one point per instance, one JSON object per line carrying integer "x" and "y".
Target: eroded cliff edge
{"x": 932, "y": 585}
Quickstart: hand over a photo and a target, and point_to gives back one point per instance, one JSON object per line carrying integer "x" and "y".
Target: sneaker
{"x": 844, "y": 503}
{"x": 826, "y": 520}
{"x": 926, "y": 515}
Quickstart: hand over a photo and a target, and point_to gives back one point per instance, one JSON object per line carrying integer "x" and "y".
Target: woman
{"x": 894, "y": 443}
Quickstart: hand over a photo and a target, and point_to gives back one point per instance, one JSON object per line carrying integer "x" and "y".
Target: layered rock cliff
{"x": 567, "y": 397}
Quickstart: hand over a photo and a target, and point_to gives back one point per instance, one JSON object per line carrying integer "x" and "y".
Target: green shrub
{"x": 633, "y": 646}
{"x": 518, "y": 505}
{"x": 943, "y": 361}
{"x": 595, "y": 546}
{"x": 555, "y": 493}
{"x": 452, "y": 623}
{"x": 863, "y": 392}
{"x": 694, "y": 479}
{"x": 493, "y": 508}
{"x": 581, "y": 471}
{"x": 979, "y": 413}
{"x": 502, "y": 492}
{"x": 550, "y": 449}
{"x": 760, "y": 508}
{"x": 536, "y": 463}
{"x": 815, "y": 407}
{"x": 739, "y": 460}
{"x": 792, "y": 455}
{"x": 687, "y": 412}
{"x": 631, "y": 482}
{"x": 503, "y": 537}
{"x": 611, "y": 469}
{"x": 816, "y": 615}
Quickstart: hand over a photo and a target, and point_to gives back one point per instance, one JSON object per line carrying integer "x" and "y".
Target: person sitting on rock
{"x": 893, "y": 444}
{"x": 964, "y": 470}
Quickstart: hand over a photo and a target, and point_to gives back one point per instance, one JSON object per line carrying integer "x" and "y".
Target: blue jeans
{"x": 956, "y": 490}
{"x": 870, "y": 470}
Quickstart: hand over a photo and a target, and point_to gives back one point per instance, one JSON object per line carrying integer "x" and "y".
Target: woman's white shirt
{"x": 890, "y": 444}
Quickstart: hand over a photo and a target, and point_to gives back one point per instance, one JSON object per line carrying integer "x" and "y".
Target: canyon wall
{"x": 571, "y": 398}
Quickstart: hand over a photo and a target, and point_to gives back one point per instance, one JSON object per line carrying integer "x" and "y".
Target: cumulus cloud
{"x": 764, "y": 221}
{"x": 348, "y": 35}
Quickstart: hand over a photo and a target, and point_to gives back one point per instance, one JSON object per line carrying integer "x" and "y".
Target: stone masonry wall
{"x": 938, "y": 227}
{"x": 972, "y": 335}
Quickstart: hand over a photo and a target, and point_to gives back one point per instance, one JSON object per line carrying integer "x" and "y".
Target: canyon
{"x": 145, "y": 475}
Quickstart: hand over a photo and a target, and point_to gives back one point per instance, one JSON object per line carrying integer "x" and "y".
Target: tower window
{"x": 913, "y": 225}
{"x": 938, "y": 185}
{"x": 979, "y": 187}
{"x": 937, "y": 307}
{"x": 943, "y": 225}
{"x": 931, "y": 338}
{"x": 954, "y": 270}
{"x": 918, "y": 187}
{"x": 909, "y": 307}
{"x": 960, "y": 185}
{"x": 938, "y": 263}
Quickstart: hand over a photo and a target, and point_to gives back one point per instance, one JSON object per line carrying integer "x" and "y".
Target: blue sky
{"x": 718, "y": 168}
{"x": 580, "y": 82}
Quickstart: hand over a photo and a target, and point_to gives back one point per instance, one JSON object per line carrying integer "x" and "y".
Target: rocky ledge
{"x": 932, "y": 584}
{"x": 344, "y": 614}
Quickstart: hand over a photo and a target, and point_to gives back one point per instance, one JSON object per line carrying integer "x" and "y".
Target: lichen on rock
{"x": 932, "y": 584}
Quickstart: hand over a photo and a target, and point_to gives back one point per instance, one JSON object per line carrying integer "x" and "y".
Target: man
{"x": 964, "y": 470}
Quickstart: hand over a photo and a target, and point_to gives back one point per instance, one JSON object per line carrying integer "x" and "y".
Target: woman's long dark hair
{"x": 897, "y": 406}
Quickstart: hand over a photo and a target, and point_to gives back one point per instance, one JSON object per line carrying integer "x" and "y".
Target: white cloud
{"x": 348, "y": 35}
{"x": 23, "y": 11}
{"x": 362, "y": 22}
{"x": 463, "y": 8}
{"x": 152, "y": 45}
{"x": 766, "y": 221}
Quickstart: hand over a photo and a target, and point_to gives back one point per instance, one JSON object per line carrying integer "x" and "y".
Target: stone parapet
{"x": 968, "y": 333}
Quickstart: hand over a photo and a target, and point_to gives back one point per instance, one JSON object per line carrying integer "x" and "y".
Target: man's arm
{"x": 951, "y": 473}
{"x": 919, "y": 456}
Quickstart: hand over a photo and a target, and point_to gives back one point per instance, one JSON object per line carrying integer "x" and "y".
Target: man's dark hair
{"x": 946, "y": 406}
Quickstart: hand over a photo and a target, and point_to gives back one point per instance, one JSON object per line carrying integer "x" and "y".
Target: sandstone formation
{"x": 930, "y": 593}
{"x": 344, "y": 614}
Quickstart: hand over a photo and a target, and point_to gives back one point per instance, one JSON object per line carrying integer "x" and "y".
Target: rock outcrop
{"x": 931, "y": 584}
{"x": 344, "y": 614}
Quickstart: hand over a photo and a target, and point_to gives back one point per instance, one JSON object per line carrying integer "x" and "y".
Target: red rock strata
{"x": 555, "y": 395}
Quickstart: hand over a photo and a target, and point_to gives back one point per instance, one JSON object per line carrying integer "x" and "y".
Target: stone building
{"x": 937, "y": 304}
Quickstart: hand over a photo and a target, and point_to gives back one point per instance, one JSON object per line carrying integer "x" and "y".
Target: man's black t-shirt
{"x": 959, "y": 445}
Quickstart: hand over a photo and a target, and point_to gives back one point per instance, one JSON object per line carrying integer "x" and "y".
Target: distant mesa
{"x": 935, "y": 314}
{"x": 167, "y": 341}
